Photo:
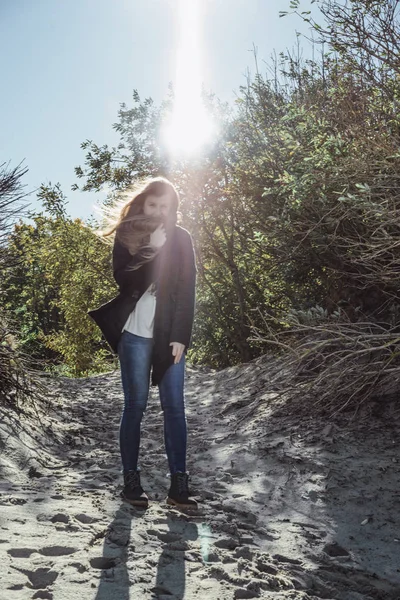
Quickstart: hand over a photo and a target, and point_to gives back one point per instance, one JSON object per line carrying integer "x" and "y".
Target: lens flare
{"x": 204, "y": 534}
{"x": 189, "y": 126}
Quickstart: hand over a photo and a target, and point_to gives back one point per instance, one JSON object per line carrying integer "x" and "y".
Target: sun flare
{"x": 189, "y": 126}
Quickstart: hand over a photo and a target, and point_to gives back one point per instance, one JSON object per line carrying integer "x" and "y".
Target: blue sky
{"x": 68, "y": 64}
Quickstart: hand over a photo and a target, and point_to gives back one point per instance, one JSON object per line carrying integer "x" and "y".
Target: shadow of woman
{"x": 114, "y": 578}
{"x": 170, "y": 580}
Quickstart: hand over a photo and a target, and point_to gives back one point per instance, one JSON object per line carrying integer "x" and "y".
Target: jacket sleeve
{"x": 128, "y": 280}
{"x": 185, "y": 295}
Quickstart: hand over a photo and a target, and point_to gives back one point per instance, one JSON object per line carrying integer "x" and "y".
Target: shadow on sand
{"x": 170, "y": 579}
{"x": 119, "y": 572}
{"x": 114, "y": 578}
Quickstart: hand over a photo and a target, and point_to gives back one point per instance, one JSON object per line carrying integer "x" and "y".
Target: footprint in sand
{"x": 78, "y": 566}
{"x": 41, "y": 578}
{"x": 21, "y": 552}
{"x": 166, "y": 537}
{"x": 43, "y": 594}
{"x": 57, "y": 550}
{"x": 227, "y": 543}
{"x": 86, "y": 519}
{"x": 57, "y": 518}
{"x": 102, "y": 562}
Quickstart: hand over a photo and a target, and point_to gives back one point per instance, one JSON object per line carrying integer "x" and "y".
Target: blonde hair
{"x": 126, "y": 221}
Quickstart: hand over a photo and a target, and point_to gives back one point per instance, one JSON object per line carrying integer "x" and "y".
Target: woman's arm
{"x": 185, "y": 294}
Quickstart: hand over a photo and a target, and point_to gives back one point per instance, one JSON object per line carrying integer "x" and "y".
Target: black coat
{"x": 174, "y": 269}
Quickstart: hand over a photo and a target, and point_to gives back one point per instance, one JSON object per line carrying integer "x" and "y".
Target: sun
{"x": 188, "y": 129}
{"x": 189, "y": 126}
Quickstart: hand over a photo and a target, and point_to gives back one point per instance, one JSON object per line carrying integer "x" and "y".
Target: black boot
{"x": 133, "y": 491}
{"x": 179, "y": 494}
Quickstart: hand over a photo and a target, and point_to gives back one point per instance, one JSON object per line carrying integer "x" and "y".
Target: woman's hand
{"x": 177, "y": 351}
{"x": 158, "y": 237}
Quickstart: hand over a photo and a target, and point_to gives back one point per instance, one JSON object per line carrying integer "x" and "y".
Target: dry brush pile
{"x": 344, "y": 349}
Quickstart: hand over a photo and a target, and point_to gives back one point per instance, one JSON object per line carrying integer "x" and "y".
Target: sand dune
{"x": 289, "y": 507}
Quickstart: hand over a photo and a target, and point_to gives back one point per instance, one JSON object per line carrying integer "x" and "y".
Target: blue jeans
{"x": 135, "y": 355}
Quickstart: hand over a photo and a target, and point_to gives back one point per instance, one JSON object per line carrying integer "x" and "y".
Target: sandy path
{"x": 288, "y": 509}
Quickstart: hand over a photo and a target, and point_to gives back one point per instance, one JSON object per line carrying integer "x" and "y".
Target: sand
{"x": 290, "y": 507}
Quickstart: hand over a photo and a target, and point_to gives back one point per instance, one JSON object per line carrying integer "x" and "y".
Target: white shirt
{"x": 141, "y": 320}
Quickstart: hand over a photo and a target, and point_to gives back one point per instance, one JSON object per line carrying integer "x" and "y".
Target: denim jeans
{"x": 135, "y": 353}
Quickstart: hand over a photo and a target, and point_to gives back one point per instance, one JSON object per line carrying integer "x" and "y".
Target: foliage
{"x": 18, "y": 380}
{"x": 289, "y": 206}
{"x": 337, "y": 211}
{"x": 294, "y": 210}
{"x": 63, "y": 270}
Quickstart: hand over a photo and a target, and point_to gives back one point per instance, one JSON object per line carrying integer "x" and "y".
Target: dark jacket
{"x": 174, "y": 269}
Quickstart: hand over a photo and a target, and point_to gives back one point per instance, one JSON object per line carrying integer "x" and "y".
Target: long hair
{"x": 131, "y": 227}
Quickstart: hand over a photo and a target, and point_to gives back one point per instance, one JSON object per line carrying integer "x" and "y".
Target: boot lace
{"x": 132, "y": 479}
{"x": 182, "y": 481}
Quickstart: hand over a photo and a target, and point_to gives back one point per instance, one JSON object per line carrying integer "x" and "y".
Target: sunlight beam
{"x": 189, "y": 126}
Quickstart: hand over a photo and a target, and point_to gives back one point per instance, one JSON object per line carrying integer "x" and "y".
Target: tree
{"x": 18, "y": 381}
{"x": 211, "y": 212}
{"x": 64, "y": 269}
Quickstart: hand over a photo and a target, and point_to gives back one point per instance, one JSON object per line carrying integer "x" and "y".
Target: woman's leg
{"x": 173, "y": 404}
{"x": 135, "y": 360}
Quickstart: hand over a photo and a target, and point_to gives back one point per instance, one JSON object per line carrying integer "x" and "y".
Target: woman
{"x": 149, "y": 325}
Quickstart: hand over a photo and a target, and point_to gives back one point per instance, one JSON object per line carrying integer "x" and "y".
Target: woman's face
{"x": 157, "y": 206}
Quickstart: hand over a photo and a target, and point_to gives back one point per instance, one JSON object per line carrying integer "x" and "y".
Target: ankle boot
{"x": 133, "y": 491}
{"x": 179, "y": 494}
